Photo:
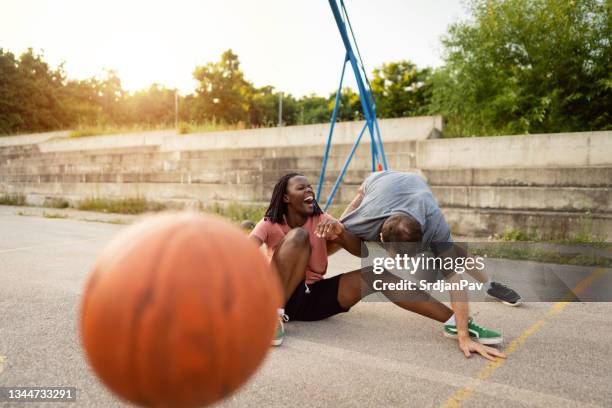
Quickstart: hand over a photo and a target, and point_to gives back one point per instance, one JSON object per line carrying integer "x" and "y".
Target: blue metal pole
{"x": 373, "y": 147}
{"x": 331, "y": 130}
{"x": 380, "y": 143}
{"x": 367, "y": 104}
{"x": 346, "y": 164}
{"x": 363, "y": 94}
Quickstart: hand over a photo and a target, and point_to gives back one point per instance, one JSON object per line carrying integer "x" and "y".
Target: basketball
{"x": 179, "y": 310}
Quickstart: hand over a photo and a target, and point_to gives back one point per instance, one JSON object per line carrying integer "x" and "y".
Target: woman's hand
{"x": 329, "y": 228}
{"x": 333, "y": 231}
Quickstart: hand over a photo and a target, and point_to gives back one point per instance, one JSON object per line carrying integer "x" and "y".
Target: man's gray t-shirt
{"x": 390, "y": 192}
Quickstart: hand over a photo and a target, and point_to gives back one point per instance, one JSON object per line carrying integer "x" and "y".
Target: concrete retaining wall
{"x": 556, "y": 184}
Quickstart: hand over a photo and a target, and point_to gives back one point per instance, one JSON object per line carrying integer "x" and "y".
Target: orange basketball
{"x": 179, "y": 310}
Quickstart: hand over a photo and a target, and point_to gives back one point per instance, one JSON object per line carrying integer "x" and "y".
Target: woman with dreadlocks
{"x": 299, "y": 236}
{"x": 299, "y": 255}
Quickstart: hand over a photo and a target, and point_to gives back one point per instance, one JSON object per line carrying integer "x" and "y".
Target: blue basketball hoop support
{"x": 367, "y": 104}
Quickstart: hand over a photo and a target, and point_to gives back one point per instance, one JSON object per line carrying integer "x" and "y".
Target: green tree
{"x": 350, "y": 105}
{"x": 112, "y": 98}
{"x": 263, "y": 107}
{"x": 29, "y": 93}
{"x": 222, "y": 93}
{"x": 312, "y": 109}
{"x": 82, "y": 102}
{"x": 290, "y": 110}
{"x": 527, "y": 66}
{"x": 153, "y": 106}
{"x": 400, "y": 89}
{"x": 10, "y": 116}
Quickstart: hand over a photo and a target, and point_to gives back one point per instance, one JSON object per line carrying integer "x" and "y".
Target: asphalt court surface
{"x": 375, "y": 355}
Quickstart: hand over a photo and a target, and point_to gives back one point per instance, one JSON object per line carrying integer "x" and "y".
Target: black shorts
{"x": 319, "y": 304}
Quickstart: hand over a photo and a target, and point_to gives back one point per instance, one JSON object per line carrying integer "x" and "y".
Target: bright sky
{"x": 293, "y": 45}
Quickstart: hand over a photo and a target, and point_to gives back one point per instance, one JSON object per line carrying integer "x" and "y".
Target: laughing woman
{"x": 289, "y": 231}
{"x": 293, "y": 229}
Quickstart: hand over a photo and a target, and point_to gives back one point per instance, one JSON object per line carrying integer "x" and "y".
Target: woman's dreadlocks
{"x": 278, "y": 208}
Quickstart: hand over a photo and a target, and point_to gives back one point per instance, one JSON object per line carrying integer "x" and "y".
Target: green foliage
{"x": 313, "y": 109}
{"x": 401, "y": 89}
{"x": 263, "y": 106}
{"x": 516, "y": 234}
{"x": 97, "y": 130}
{"x": 517, "y": 66}
{"x": 54, "y": 215}
{"x": 526, "y": 66}
{"x": 29, "y": 93}
{"x": 350, "y": 105}
{"x": 586, "y": 235}
{"x": 12, "y": 199}
{"x": 236, "y": 212}
{"x": 186, "y": 128}
{"x": 222, "y": 91}
{"x": 224, "y": 95}
{"x": 541, "y": 255}
{"x": 56, "y": 202}
{"x": 152, "y": 106}
{"x": 120, "y": 206}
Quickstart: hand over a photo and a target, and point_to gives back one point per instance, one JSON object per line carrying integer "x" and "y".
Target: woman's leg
{"x": 356, "y": 285}
{"x": 291, "y": 259}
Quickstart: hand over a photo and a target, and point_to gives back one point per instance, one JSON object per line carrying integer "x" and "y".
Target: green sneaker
{"x": 477, "y": 333}
{"x": 279, "y": 336}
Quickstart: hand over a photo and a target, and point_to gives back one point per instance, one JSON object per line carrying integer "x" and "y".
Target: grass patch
{"x": 120, "y": 206}
{"x": 117, "y": 221}
{"x": 240, "y": 212}
{"x": 184, "y": 128}
{"x": 54, "y": 215}
{"x": 585, "y": 235}
{"x": 237, "y": 212}
{"x": 517, "y": 234}
{"x": 12, "y": 199}
{"x": 97, "y": 130}
{"x": 56, "y": 202}
{"x": 586, "y": 238}
{"x": 540, "y": 255}
{"x": 189, "y": 127}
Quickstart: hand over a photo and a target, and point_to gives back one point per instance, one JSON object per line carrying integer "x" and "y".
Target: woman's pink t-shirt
{"x": 272, "y": 234}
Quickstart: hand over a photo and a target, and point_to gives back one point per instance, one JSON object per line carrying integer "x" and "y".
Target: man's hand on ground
{"x": 467, "y": 345}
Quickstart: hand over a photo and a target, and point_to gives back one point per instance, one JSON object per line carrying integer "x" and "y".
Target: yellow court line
{"x": 2, "y": 360}
{"x": 465, "y": 393}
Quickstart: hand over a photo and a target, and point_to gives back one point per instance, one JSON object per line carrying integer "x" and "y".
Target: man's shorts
{"x": 320, "y": 303}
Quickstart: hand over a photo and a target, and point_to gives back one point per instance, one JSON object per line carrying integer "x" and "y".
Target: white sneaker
{"x": 279, "y": 336}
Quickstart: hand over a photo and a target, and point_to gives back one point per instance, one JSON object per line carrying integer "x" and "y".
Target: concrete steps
{"x": 557, "y": 177}
{"x": 566, "y": 199}
{"x": 548, "y": 182}
{"x": 545, "y": 224}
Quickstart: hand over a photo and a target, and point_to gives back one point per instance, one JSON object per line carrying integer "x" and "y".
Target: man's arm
{"x": 356, "y": 201}
{"x": 460, "y": 306}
